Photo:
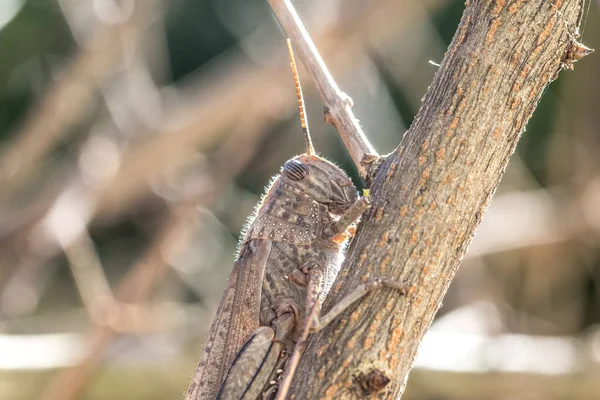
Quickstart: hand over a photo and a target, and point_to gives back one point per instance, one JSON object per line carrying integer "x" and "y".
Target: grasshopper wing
{"x": 236, "y": 319}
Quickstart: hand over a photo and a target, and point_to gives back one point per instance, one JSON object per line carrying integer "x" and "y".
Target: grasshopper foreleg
{"x": 348, "y": 218}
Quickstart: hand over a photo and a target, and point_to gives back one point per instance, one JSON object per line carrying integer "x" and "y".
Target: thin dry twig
{"x": 89, "y": 276}
{"x": 338, "y": 105}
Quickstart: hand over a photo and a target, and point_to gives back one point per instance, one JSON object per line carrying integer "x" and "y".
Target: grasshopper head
{"x": 321, "y": 180}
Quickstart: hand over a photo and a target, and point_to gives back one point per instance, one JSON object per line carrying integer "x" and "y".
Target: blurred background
{"x": 136, "y": 138}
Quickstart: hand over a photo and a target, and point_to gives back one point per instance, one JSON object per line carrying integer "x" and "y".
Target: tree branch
{"x": 338, "y": 106}
{"x": 430, "y": 194}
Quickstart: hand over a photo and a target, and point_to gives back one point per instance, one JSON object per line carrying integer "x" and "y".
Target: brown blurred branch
{"x": 89, "y": 276}
{"x": 338, "y": 106}
{"x": 65, "y": 102}
{"x": 134, "y": 288}
{"x": 78, "y": 194}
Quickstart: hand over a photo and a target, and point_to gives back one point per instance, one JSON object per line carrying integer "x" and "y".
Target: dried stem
{"x": 338, "y": 106}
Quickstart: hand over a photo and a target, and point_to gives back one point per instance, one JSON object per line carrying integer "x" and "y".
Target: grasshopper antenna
{"x": 310, "y": 150}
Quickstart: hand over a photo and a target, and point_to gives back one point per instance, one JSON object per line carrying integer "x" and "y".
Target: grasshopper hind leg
{"x": 259, "y": 358}
{"x": 246, "y": 373}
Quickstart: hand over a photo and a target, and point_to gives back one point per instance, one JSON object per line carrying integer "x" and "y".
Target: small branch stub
{"x": 373, "y": 382}
{"x": 575, "y": 52}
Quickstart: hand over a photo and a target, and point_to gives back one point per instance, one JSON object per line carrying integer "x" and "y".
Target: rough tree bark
{"x": 430, "y": 194}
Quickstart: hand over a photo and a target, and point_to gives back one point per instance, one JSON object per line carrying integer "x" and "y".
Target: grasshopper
{"x": 287, "y": 262}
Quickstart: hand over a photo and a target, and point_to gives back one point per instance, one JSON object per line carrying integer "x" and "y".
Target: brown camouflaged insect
{"x": 287, "y": 262}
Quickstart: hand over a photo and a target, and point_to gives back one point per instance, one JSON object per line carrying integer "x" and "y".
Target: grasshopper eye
{"x": 295, "y": 170}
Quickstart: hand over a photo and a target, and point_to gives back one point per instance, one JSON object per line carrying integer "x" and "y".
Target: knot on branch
{"x": 372, "y": 382}
{"x": 575, "y": 52}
